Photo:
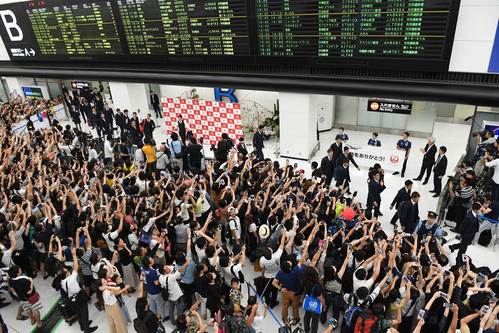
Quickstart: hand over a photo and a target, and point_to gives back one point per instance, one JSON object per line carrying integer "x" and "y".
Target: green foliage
{"x": 272, "y": 122}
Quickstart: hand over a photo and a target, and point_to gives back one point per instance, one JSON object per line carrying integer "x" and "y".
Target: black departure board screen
{"x": 352, "y": 28}
{"x": 197, "y": 27}
{"x": 385, "y": 34}
{"x": 85, "y": 28}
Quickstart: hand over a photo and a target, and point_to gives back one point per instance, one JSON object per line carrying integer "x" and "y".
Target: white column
{"x": 15, "y": 84}
{"x": 323, "y": 105}
{"x": 298, "y": 125}
{"x": 131, "y": 96}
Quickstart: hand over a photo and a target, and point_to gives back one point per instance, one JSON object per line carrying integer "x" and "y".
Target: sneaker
{"x": 396, "y": 173}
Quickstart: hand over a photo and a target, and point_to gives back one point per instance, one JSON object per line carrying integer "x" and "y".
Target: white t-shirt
{"x": 201, "y": 253}
{"x": 7, "y": 258}
{"x": 271, "y": 266}
{"x": 174, "y": 290}
{"x": 108, "y": 150}
{"x": 235, "y": 224}
{"x": 227, "y": 274}
{"x": 72, "y": 284}
{"x": 109, "y": 298}
{"x": 110, "y": 243}
{"x": 361, "y": 283}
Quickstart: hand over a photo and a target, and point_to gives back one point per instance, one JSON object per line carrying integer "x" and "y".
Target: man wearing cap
{"x": 428, "y": 227}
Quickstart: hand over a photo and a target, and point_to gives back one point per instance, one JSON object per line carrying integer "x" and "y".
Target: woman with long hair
{"x": 312, "y": 287}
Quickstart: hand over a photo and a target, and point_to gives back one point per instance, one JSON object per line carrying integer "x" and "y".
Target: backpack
{"x": 366, "y": 323}
{"x": 353, "y": 313}
{"x": 485, "y": 238}
{"x": 234, "y": 324}
{"x": 142, "y": 125}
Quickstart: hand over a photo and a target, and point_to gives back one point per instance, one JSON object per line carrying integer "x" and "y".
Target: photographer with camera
{"x": 485, "y": 140}
{"x": 462, "y": 193}
{"x": 493, "y": 163}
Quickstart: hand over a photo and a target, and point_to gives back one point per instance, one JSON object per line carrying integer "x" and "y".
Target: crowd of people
{"x": 110, "y": 218}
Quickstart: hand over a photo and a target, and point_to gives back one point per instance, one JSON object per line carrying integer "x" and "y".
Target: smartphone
{"x": 406, "y": 279}
{"x": 443, "y": 295}
{"x": 350, "y": 246}
{"x": 321, "y": 243}
{"x": 448, "y": 305}
{"x": 481, "y": 275}
{"x": 415, "y": 267}
{"x": 333, "y": 322}
{"x": 407, "y": 234}
{"x": 432, "y": 256}
{"x": 493, "y": 300}
{"x": 397, "y": 301}
{"x": 422, "y": 314}
{"x": 380, "y": 250}
{"x": 414, "y": 257}
{"x": 485, "y": 309}
{"x": 329, "y": 233}
{"x": 387, "y": 269}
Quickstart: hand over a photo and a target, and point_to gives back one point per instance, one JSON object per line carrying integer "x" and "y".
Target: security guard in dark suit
{"x": 258, "y": 143}
{"x": 374, "y": 195}
{"x": 429, "y": 152}
{"x": 403, "y": 194}
{"x": 327, "y": 166}
{"x": 439, "y": 171}
{"x": 342, "y": 175}
{"x": 337, "y": 148}
{"x": 466, "y": 231}
{"x": 409, "y": 213}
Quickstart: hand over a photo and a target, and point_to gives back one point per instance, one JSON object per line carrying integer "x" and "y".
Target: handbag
{"x": 145, "y": 237}
{"x": 34, "y": 298}
{"x": 312, "y": 304}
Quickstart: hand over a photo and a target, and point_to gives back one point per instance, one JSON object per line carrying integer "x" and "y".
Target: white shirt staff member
{"x": 77, "y": 296}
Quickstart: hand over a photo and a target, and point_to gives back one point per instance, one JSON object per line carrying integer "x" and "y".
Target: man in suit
{"x": 136, "y": 118}
{"x": 241, "y": 147}
{"x": 102, "y": 126}
{"x": 94, "y": 117}
{"x": 342, "y": 175}
{"x": 403, "y": 194}
{"x": 120, "y": 120}
{"x": 258, "y": 143}
{"x": 85, "y": 110}
{"x": 337, "y": 148}
{"x": 98, "y": 103}
{"x": 429, "y": 152}
{"x": 466, "y": 231}
{"x": 108, "y": 113}
{"x": 346, "y": 155}
{"x": 316, "y": 171}
{"x": 327, "y": 166}
{"x": 409, "y": 213}
{"x": 181, "y": 128}
{"x": 149, "y": 127}
{"x": 374, "y": 195}
{"x": 127, "y": 123}
{"x": 439, "y": 171}
{"x": 155, "y": 104}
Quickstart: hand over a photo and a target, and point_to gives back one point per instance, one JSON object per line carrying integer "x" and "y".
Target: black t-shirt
{"x": 494, "y": 213}
{"x": 21, "y": 285}
{"x": 316, "y": 288}
{"x": 125, "y": 257}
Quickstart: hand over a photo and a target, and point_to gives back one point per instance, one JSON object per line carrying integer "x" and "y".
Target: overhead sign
{"x": 389, "y": 106}
{"x": 80, "y": 84}
{"x": 389, "y": 159}
{"x": 32, "y": 92}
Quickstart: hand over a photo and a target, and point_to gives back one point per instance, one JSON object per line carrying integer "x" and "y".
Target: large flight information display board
{"x": 397, "y": 34}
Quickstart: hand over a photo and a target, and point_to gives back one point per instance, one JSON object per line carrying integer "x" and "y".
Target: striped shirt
{"x": 465, "y": 192}
{"x": 85, "y": 263}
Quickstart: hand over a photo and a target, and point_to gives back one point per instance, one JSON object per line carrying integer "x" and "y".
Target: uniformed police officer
{"x": 428, "y": 227}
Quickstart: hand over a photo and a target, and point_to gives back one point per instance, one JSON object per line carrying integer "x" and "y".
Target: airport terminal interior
{"x": 249, "y": 166}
